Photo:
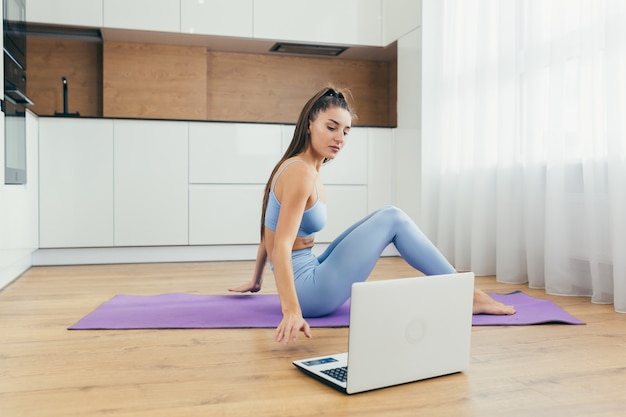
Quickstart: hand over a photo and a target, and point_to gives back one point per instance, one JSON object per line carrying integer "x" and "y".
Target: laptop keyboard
{"x": 340, "y": 374}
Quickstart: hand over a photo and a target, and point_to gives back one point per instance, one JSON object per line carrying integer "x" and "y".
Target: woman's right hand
{"x": 289, "y": 327}
{"x": 250, "y": 286}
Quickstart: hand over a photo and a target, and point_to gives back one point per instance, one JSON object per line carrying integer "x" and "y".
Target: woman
{"x": 294, "y": 209}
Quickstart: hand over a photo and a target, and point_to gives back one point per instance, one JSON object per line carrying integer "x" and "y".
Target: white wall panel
{"x": 408, "y": 154}
{"x": 19, "y": 212}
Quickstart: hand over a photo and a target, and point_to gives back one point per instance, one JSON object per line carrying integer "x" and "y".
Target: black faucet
{"x": 64, "y": 94}
{"x": 65, "y": 100}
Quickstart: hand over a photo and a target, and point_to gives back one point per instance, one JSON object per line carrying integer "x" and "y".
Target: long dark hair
{"x": 323, "y": 100}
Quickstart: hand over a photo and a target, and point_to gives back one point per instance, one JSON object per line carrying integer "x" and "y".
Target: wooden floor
{"x": 46, "y": 370}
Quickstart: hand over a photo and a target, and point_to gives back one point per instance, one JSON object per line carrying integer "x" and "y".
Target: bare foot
{"x": 484, "y": 304}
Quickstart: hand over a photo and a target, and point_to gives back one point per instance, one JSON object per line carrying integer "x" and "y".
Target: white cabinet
{"x": 224, "y": 214}
{"x": 345, "y": 183}
{"x": 346, "y": 205}
{"x": 151, "y": 15}
{"x": 350, "y": 166}
{"x": 223, "y": 18}
{"x": 232, "y": 153}
{"x": 76, "y": 182}
{"x": 229, "y": 164}
{"x": 128, "y": 183}
{"x": 400, "y": 18}
{"x": 380, "y": 169}
{"x": 65, "y": 12}
{"x": 350, "y": 22}
{"x": 151, "y": 183}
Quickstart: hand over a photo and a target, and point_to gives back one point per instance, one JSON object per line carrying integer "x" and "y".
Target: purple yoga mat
{"x": 192, "y": 311}
{"x": 529, "y": 311}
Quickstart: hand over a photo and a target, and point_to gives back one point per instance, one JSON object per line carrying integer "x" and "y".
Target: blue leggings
{"x": 324, "y": 283}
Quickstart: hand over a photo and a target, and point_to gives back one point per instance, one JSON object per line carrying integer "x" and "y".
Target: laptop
{"x": 401, "y": 330}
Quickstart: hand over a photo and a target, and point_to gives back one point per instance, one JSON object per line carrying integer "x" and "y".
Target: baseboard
{"x": 96, "y": 256}
{"x": 10, "y": 273}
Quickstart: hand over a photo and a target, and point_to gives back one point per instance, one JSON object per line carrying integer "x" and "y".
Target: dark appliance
{"x": 15, "y": 98}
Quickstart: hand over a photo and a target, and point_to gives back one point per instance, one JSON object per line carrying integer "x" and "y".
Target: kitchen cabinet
{"x": 380, "y": 169}
{"x": 150, "y": 15}
{"x": 346, "y": 205}
{"x": 350, "y": 166}
{"x": 350, "y": 22}
{"x": 221, "y": 18}
{"x": 141, "y": 183}
{"x": 87, "y": 13}
{"x": 225, "y": 214}
{"x": 75, "y": 182}
{"x": 229, "y": 164}
{"x": 150, "y": 183}
{"x": 345, "y": 183}
{"x": 400, "y": 18}
{"x": 233, "y": 153}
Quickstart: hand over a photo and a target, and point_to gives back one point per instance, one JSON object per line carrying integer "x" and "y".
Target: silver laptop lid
{"x": 408, "y": 329}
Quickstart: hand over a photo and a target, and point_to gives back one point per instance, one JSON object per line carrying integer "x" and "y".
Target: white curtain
{"x": 524, "y": 141}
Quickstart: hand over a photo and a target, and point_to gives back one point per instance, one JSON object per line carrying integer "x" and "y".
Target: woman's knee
{"x": 395, "y": 213}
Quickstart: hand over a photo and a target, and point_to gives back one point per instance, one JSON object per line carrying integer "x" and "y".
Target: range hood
{"x": 307, "y": 49}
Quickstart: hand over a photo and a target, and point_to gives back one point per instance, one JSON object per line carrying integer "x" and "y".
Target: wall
{"x": 140, "y": 80}
{"x": 80, "y": 62}
{"x": 19, "y": 222}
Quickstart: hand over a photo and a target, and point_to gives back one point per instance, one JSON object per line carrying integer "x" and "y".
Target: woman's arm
{"x": 257, "y": 276}
{"x": 293, "y": 190}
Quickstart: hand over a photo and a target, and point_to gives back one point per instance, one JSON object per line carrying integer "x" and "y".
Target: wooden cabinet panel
{"x": 268, "y": 88}
{"x": 151, "y": 183}
{"x": 154, "y": 81}
{"x": 50, "y": 59}
{"x": 75, "y": 182}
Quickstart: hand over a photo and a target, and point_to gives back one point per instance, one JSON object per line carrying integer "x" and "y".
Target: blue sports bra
{"x": 313, "y": 219}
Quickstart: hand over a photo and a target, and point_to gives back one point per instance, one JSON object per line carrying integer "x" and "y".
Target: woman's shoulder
{"x": 295, "y": 170}
{"x": 299, "y": 167}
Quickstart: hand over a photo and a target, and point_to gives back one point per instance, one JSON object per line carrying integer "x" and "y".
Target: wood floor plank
{"x": 47, "y": 370}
